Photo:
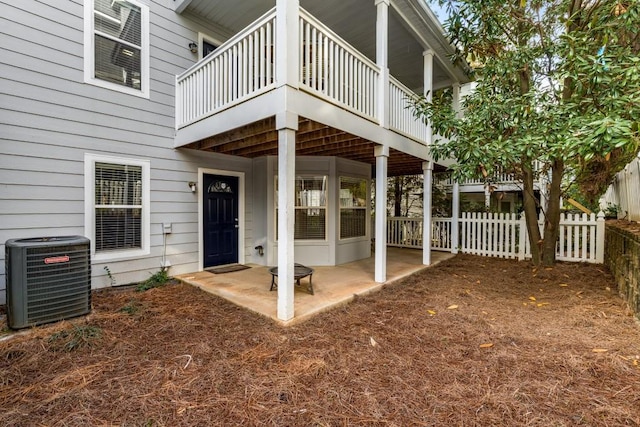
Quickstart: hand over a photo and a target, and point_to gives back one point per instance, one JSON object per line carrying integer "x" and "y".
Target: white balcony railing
{"x": 329, "y": 68}
{"x": 239, "y": 69}
{"x": 333, "y": 69}
{"x": 401, "y": 118}
{"x": 500, "y": 177}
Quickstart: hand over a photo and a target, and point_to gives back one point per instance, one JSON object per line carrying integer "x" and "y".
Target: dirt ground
{"x": 472, "y": 341}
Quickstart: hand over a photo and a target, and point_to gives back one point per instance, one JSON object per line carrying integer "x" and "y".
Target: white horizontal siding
{"x": 49, "y": 118}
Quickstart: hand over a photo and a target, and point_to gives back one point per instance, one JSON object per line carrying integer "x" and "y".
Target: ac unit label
{"x": 56, "y": 259}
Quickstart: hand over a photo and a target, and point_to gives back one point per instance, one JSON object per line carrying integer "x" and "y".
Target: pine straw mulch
{"x": 472, "y": 341}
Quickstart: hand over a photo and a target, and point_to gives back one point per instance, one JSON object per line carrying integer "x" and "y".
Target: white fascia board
{"x": 180, "y": 5}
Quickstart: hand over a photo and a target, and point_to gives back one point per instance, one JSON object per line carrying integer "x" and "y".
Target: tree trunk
{"x": 552, "y": 216}
{"x": 531, "y": 214}
{"x": 397, "y": 196}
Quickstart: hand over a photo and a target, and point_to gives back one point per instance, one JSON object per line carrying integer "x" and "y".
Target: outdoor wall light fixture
{"x": 193, "y": 47}
{"x": 193, "y": 186}
{"x": 260, "y": 250}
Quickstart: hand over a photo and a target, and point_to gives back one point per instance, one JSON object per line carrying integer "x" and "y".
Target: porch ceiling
{"x": 313, "y": 139}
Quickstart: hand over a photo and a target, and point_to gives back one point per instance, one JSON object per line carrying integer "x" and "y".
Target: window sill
{"x": 120, "y": 255}
{"x": 118, "y": 88}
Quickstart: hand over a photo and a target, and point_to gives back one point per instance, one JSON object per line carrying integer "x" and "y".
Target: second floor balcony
{"x": 331, "y": 71}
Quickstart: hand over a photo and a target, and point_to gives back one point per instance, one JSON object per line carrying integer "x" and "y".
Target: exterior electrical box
{"x": 48, "y": 279}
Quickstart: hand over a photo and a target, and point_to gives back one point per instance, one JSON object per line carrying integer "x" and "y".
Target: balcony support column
{"x": 427, "y": 59}
{"x": 455, "y": 191}
{"x": 455, "y": 217}
{"x": 287, "y": 125}
{"x": 287, "y": 50}
{"x": 427, "y": 170}
{"x": 382, "y": 160}
{"x": 382, "y": 60}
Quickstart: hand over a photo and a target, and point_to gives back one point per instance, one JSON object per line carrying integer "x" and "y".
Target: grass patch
{"x": 75, "y": 338}
{"x": 160, "y": 278}
{"x": 131, "y": 308}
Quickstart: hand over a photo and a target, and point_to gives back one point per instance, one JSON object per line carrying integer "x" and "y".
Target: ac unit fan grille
{"x": 57, "y": 281}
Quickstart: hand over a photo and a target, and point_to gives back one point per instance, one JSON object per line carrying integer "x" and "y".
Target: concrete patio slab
{"x": 332, "y": 286}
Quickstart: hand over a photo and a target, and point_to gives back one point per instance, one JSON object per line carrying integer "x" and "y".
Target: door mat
{"x": 227, "y": 268}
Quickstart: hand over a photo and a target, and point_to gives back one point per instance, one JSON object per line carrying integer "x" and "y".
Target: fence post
{"x": 522, "y": 236}
{"x": 600, "y": 238}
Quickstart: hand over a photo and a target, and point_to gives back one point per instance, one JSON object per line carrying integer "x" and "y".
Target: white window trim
{"x": 202, "y": 37}
{"x": 89, "y": 52}
{"x": 90, "y": 161}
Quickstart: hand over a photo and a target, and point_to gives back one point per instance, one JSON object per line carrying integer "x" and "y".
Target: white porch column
{"x": 287, "y": 49}
{"x": 382, "y": 60}
{"x": 382, "y": 159}
{"x": 455, "y": 217}
{"x": 427, "y": 58}
{"x": 427, "y": 167}
{"x": 287, "y": 125}
{"x": 455, "y": 191}
{"x": 427, "y": 170}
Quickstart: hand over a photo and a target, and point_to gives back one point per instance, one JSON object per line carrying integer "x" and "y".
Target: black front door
{"x": 220, "y": 220}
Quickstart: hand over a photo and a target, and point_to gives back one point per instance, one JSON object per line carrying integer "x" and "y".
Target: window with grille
{"x": 353, "y": 207}
{"x": 118, "y": 217}
{"x": 117, "y": 45}
{"x": 310, "y": 208}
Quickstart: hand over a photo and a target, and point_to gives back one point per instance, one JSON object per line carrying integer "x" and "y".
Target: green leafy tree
{"x": 556, "y": 81}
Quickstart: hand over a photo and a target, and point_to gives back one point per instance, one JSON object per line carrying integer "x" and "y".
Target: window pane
{"x": 310, "y": 224}
{"x": 118, "y": 19}
{"x": 118, "y": 184}
{"x": 353, "y": 192}
{"x": 311, "y": 191}
{"x": 118, "y": 42}
{"x": 117, "y": 63}
{"x": 118, "y": 229}
{"x": 352, "y": 223}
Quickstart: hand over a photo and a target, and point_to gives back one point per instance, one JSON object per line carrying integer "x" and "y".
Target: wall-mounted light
{"x": 193, "y": 186}
{"x": 193, "y": 47}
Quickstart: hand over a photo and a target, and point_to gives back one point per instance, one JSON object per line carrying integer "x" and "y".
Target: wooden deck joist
{"x": 312, "y": 139}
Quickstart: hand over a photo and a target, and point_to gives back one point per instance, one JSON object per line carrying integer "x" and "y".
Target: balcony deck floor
{"x": 332, "y": 286}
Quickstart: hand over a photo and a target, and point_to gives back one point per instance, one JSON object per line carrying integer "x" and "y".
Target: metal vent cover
{"x": 48, "y": 279}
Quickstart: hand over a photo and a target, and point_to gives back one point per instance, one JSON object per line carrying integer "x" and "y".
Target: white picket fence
{"x": 624, "y": 192}
{"x": 581, "y": 237}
